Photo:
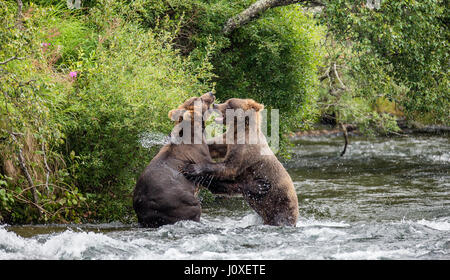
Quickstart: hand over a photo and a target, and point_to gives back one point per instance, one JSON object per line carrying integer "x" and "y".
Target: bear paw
{"x": 191, "y": 169}
{"x": 257, "y": 189}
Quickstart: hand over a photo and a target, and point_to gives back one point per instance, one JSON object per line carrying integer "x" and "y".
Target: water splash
{"x": 442, "y": 224}
{"x": 150, "y": 139}
{"x": 227, "y": 239}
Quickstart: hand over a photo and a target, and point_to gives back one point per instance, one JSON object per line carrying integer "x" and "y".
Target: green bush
{"x": 137, "y": 79}
{"x": 86, "y": 87}
{"x": 34, "y": 181}
{"x": 274, "y": 60}
{"x": 402, "y": 52}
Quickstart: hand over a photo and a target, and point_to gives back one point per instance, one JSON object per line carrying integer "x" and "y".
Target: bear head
{"x": 193, "y": 106}
{"x": 247, "y": 106}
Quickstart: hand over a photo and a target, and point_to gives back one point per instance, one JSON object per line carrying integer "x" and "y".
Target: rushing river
{"x": 386, "y": 198}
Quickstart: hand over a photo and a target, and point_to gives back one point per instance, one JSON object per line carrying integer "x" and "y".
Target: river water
{"x": 386, "y": 198}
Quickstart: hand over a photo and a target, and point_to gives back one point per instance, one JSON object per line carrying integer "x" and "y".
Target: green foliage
{"x": 274, "y": 60}
{"x": 402, "y": 52}
{"x": 136, "y": 79}
{"x": 28, "y": 132}
{"x": 80, "y": 134}
{"x": 349, "y": 97}
{"x": 206, "y": 197}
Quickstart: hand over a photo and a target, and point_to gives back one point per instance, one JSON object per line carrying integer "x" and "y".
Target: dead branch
{"x": 257, "y": 8}
{"x": 344, "y": 129}
{"x": 19, "y": 14}
{"x": 21, "y": 84}
{"x": 325, "y": 75}
{"x": 24, "y": 169}
{"x": 338, "y": 78}
{"x": 10, "y": 59}
{"x": 23, "y": 199}
{"x": 47, "y": 169}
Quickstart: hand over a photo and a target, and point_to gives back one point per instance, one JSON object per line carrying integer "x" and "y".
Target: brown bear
{"x": 162, "y": 195}
{"x": 256, "y": 171}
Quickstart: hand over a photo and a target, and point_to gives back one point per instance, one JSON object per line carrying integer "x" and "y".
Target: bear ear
{"x": 175, "y": 114}
{"x": 252, "y": 104}
{"x": 188, "y": 114}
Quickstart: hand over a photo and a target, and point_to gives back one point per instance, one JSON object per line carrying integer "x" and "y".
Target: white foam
{"x": 439, "y": 158}
{"x": 442, "y": 225}
{"x": 323, "y": 234}
{"x": 248, "y": 220}
{"x": 376, "y": 253}
{"x": 64, "y": 245}
{"x": 439, "y": 225}
{"x": 313, "y": 222}
{"x": 12, "y": 245}
{"x": 72, "y": 245}
{"x": 208, "y": 242}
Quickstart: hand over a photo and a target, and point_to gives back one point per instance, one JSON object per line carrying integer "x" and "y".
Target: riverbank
{"x": 412, "y": 128}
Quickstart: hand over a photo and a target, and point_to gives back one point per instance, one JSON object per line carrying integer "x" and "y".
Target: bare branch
{"x": 326, "y": 75}
{"x": 9, "y": 59}
{"x": 21, "y": 84}
{"x": 344, "y": 129}
{"x": 47, "y": 169}
{"x": 339, "y": 79}
{"x": 24, "y": 169}
{"x": 19, "y": 14}
{"x": 23, "y": 199}
{"x": 257, "y": 8}
{"x": 19, "y": 8}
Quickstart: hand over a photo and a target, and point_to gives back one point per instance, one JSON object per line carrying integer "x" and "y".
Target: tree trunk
{"x": 257, "y": 8}
{"x": 19, "y": 15}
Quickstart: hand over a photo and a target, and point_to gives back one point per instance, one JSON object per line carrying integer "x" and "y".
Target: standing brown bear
{"x": 249, "y": 162}
{"x": 162, "y": 195}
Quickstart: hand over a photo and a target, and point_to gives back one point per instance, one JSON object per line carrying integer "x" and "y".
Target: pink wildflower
{"x": 73, "y": 74}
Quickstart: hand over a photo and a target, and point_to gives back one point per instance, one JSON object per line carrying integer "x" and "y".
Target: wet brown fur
{"x": 162, "y": 194}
